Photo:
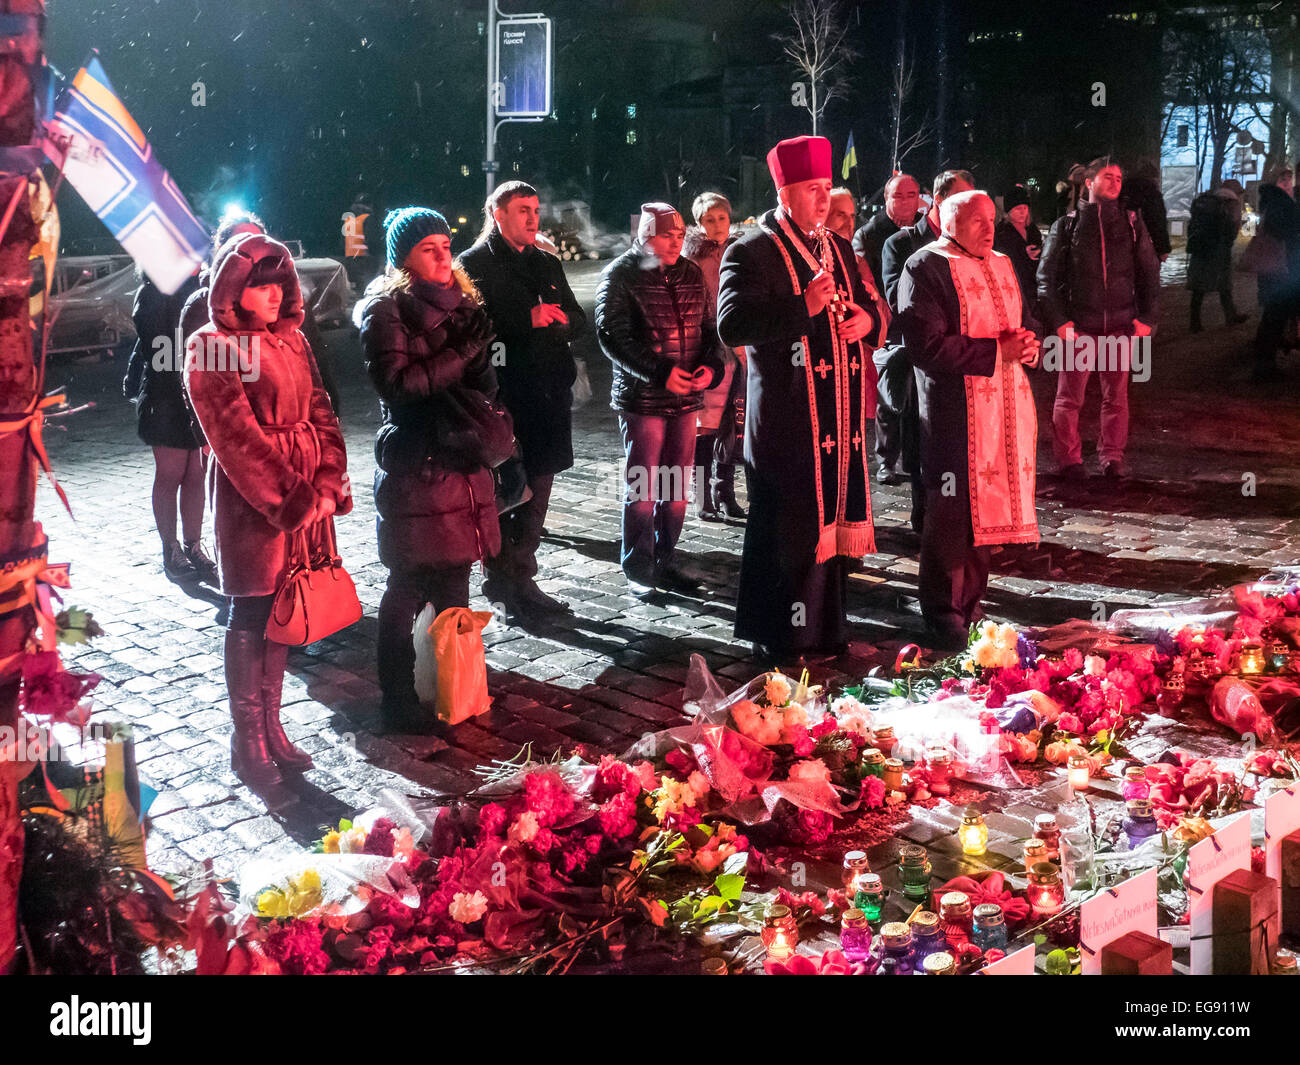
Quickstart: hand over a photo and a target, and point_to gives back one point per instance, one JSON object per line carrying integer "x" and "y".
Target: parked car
{"x": 92, "y": 296}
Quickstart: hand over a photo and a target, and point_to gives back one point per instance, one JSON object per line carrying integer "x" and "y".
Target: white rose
{"x": 467, "y": 908}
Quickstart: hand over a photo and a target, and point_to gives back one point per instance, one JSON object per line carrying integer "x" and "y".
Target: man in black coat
{"x": 897, "y": 428}
{"x": 790, "y": 292}
{"x": 656, "y": 325}
{"x": 535, "y": 316}
{"x": 902, "y": 203}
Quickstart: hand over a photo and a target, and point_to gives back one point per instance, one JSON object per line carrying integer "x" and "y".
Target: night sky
{"x": 312, "y": 102}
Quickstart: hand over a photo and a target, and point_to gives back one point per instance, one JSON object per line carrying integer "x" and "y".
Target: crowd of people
{"x": 817, "y": 353}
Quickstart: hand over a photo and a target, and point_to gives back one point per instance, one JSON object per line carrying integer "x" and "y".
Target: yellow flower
{"x": 272, "y": 903}
{"x": 777, "y": 689}
{"x": 968, "y": 665}
{"x": 331, "y": 842}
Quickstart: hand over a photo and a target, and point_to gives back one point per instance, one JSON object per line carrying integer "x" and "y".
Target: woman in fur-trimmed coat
{"x": 280, "y": 469}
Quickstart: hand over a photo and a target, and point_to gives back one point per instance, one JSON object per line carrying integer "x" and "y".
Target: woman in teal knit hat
{"x": 425, "y": 337}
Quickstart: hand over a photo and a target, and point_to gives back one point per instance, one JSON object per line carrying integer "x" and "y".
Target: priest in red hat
{"x": 790, "y": 293}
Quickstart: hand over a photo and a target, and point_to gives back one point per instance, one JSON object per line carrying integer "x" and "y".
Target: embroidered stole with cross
{"x": 1002, "y": 424}
{"x": 838, "y": 375}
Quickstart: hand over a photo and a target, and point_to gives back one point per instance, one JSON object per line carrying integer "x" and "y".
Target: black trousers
{"x": 954, "y": 572}
{"x": 521, "y": 535}
{"x": 249, "y": 613}
{"x": 407, "y": 593}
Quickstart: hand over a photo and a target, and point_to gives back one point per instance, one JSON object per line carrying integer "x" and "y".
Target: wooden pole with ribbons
{"x": 22, "y": 30}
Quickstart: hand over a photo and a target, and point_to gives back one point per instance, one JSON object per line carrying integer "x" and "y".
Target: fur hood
{"x": 697, "y": 244}
{"x": 231, "y": 268}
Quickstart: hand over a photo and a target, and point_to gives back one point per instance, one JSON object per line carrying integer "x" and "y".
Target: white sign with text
{"x": 1129, "y": 906}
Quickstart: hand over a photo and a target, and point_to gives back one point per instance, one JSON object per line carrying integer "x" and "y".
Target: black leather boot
{"x": 724, "y": 492}
{"x": 249, "y": 756}
{"x": 703, "y": 478}
{"x": 283, "y": 752}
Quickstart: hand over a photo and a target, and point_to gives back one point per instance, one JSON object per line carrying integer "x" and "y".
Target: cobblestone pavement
{"x": 1213, "y": 499}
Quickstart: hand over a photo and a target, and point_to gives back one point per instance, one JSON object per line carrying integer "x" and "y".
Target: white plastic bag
{"x": 426, "y": 662}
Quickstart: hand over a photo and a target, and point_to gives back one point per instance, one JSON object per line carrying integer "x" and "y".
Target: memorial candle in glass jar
{"x": 896, "y": 942}
{"x": 1135, "y": 783}
{"x": 1035, "y": 850}
{"x": 1045, "y": 828}
{"x": 914, "y": 871}
{"x": 973, "y": 833}
{"x": 780, "y": 933}
{"x": 870, "y": 896}
{"x": 926, "y": 937}
{"x": 855, "y": 935}
{"x": 955, "y": 919}
{"x": 989, "y": 930}
{"x": 1140, "y": 822}
{"x": 855, "y": 865}
{"x": 893, "y": 775}
{"x": 939, "y": 761}
{"x": 873, "y": 762}
{"x": 1046, "y": 893}
{"x": 885, "y": 741}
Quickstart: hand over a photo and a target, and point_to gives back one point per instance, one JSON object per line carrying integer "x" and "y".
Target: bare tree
{"x": 818, "y": 46}
{"x": 905, "y": 136}
{"x": 1217, "y": 66}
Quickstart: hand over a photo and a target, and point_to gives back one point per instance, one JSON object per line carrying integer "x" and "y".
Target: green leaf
{"x": 729, "y": 886}
{"x": 707, "y": 830}
{"x": 345, "y": 825}
{"x": 709, "y": 906}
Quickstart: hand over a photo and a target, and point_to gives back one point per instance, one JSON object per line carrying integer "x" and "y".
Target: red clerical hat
{"x": 800, "y": 159}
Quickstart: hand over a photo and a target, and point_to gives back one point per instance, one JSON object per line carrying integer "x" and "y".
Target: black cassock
{"x": 808, "y": 431}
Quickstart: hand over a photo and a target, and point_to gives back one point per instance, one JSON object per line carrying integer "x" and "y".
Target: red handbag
{"x": 316, "y": 598}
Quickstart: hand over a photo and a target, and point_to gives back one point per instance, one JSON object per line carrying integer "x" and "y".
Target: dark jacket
{"x": 276, "y": 443}
{"x": 155, "y": 372}
{"x": 894, "y": 255}
{"x": 869, "y": 243}
{"x": 650, "y": 319}
{"x": 422, "y": 346}
{"x": 1143, "y": 195}
{"x": 1009, "y": 242}
{"x": 534, "y": 368}
{"x": 1099, "y": 271}
{"x": 1279, "y": 217}
{"x": 1211, "y": 233}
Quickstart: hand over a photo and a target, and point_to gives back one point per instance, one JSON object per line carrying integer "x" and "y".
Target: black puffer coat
{"x": 1099, "y": 270}
{"x": 156, "y": 368}
{"x": 434, "y": 510}
{"x": 650, "y": 319}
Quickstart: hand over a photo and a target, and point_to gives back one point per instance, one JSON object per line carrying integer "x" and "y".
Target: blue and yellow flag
{"x": 850, "y": 158}
{"x": 106, "y": 158}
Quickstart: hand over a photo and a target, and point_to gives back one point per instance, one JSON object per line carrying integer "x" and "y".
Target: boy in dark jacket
{"x": 655, "y": 323}
{"x": 1098, "y": 280}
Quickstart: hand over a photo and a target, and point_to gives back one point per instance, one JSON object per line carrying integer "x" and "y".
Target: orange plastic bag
{"x": 462, "y": 663}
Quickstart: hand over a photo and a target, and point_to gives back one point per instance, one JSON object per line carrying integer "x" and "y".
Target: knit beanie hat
{"x": 657, "y": 218}
{"x": 406, "y": 227}
{"x": 1017, "y": 196}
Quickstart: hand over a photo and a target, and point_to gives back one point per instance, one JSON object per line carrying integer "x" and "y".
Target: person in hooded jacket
{"x": 279, "y": 470}
{"x": 195, "y": 315}
{"x": 425, "y": 337}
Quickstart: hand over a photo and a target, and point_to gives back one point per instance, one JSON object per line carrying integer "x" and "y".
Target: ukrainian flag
{"x": 106, "y": 158}
{"x": 850, "y": 158}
